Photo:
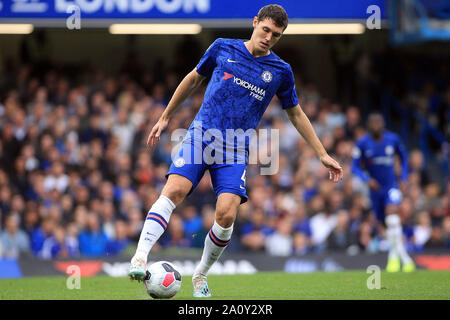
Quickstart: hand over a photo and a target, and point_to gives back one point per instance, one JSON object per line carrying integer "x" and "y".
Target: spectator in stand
{"x": 120, "y": 242}
{"x": 208, "y": 216}
{"x": 301, "y": 243}
{"x": 107, "y": 214}
{"x": 123, "y": 184}
{"x": 92, "y": 241}
{"x": 255, "y": 231}
{"x": 192, "y": 222}
{"x": 176, "y": 237}
{"x": 422, "y": 231}
{"x": 446, "y": 237}
{"x": 280, "y": 242}
{"x": 365, "y": 236}
{"x": 417, "y": 165}
{"x": 135, "y": 222}
{"x": 352, "y": 121}
{"x": 71, "y": 240}
{"x": 54, "y": 246}
{"x": 335, "y": 118}
{"x": 5, "y": 196}
{"x": 41, "y": 234}
{"x": 203, "y": 195}
{"x": 302, "y": 222}
{"x": 13, "y": 240}
{"x": 340, "y": 238}
{"x": 124, "y": 130}
{"x": 30, "y": 221}
{"x": 322, "y": 224}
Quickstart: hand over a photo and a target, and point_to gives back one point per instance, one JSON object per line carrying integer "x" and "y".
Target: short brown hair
{"x": 274, "y": 12}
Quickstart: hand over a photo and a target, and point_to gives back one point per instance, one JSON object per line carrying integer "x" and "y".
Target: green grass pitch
{"x": 421, "y": 284}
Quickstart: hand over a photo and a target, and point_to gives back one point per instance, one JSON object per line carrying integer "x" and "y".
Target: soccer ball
{"x": 163, "y": 280}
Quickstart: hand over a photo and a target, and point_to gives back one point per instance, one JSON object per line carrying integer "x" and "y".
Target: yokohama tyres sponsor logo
{"x": 247, "y": 85}
{"x": 255, "y": 91}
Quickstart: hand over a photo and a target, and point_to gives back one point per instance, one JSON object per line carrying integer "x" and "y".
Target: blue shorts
{"x": 382, "y": 198}
{"x": 225, "y": 177}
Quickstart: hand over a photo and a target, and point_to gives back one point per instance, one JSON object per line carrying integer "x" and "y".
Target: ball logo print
{"x": 169, "y": 278}
{"x": 266, "y": 76}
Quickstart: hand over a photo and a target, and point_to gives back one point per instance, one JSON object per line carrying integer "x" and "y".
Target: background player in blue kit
{"x": 244, "y": 77}
{"x": 375, "y": 152}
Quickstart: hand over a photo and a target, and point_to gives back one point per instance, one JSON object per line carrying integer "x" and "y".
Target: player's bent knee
{"x": 175, "y": 193}
{"x": 225, "y": 216}
{"x": 225, "y": 220}
{"x": 226, "y": 208}
{"x": 177, "y": 188}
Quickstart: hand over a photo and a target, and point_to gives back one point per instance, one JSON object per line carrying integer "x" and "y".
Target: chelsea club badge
{"x": 266, "y": 76}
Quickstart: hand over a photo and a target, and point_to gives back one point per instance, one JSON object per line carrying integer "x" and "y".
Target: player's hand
{"x": 155, "y": 133}
{"x": 335, "y": 169}
{"x": 373, "y": 185}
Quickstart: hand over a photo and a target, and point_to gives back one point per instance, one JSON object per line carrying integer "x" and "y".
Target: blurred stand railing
{"x": 416, "y": 132}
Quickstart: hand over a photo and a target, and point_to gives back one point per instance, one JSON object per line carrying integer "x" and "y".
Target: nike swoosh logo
{"x": 231, "y": 60}
{"x": 242, "y": 187}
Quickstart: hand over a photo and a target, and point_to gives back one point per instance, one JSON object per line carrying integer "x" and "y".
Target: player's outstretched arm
{"x": 304, "y": 127}
{"x": 184, "y": 90}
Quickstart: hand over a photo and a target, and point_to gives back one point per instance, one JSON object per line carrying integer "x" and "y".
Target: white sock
{"x": 391, "y": 238}
{"x": 395, "y": 238}
{"x": 215, "y": 243}
{"x": 155, "y": 224}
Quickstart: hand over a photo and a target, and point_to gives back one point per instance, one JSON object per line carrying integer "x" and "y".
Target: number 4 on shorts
{"x": 243, "y": 179}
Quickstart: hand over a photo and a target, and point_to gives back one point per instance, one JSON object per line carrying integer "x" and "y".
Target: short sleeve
{"x": 286, "y": 92}
{"x": 208, "y": 62}
{"x": 357, "y": 156}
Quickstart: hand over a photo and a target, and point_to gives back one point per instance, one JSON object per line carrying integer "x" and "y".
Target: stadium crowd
{"x": 77, "y": 179}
